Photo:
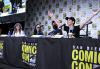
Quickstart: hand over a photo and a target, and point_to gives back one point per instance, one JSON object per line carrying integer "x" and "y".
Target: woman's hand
{"x": 96, "y": 11}
{"x": 50, "y": 14}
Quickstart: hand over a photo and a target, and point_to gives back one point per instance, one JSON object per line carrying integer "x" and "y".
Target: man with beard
{"x": 56, "y": 30}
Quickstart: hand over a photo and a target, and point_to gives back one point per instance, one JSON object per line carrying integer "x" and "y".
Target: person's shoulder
{"x": 22, "y": 31}
{"x": 77, "y": 27}
{"x": 66, "y": 26}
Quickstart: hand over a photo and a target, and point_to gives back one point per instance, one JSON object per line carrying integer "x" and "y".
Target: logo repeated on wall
{"x": 73, "y": 2}
{"x": 57, "y": 5}
{"x": 64, "y": 15}
{"x": 65, "y": 3}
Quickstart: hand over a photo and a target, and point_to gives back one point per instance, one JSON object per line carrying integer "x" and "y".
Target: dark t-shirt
{"x": 75, "y": 31}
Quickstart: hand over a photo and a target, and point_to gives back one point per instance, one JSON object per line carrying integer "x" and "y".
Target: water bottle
{"x": 9, "y": 33}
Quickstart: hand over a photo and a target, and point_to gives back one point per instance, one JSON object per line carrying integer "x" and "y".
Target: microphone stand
{"x": 87, "y": 28}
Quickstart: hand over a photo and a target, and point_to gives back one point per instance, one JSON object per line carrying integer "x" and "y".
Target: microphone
{"x": 89, "y": 23}
{"x": 62, "y": 25}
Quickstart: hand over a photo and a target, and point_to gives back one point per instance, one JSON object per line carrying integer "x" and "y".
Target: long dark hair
{"x": 17, "y": 24}
{"x": 35, "y": 29}
{"x": 54, "y": 25}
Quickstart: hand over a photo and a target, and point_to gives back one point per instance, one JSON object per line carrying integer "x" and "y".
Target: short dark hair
{"x": 71, "y": 18}
{"x": 53, "y": 22}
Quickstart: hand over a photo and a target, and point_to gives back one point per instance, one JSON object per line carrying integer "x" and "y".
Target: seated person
{"x": 56, "y": 30}
{"x": 18, "y": 32}
{"x": 38, "y": 30}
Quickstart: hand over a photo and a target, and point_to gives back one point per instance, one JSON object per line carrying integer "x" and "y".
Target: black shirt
{"x": 75, "y": 31}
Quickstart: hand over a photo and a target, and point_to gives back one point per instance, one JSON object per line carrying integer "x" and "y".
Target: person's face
{"x": 38, "y": 27}
{"x": 17, "y": 27}
{"x": 53, "y": 24}
{"x": 70, "y": 22}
